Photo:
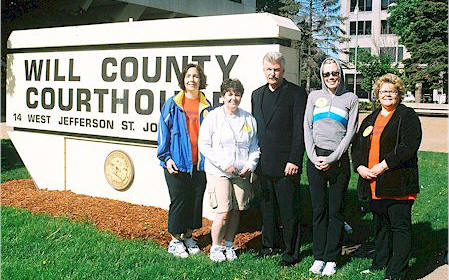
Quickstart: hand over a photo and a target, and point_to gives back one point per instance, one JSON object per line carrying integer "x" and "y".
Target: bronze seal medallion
{"x": 119, "y": 170}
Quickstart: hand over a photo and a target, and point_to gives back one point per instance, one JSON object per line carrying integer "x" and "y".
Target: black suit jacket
{"x": 281, "y": 133}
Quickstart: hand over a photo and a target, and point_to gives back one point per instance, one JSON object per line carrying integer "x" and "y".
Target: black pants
{"x": 186, "y": 200}
{"x": 280, "y": 195}
{"x": 327, "y": 207}
{"x": 393, "y": 223}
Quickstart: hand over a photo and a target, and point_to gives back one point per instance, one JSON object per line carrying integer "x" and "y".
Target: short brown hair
{"x": 203, "y": 78}
{"x": 390, "y": 79}
{"x": 231, "y": 84}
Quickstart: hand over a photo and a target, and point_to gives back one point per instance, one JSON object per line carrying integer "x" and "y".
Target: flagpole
{"x": 356, "y": 12}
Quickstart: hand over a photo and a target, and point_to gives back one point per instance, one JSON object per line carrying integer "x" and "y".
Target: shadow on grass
{"x": 251, "y": 223}
{"x": 10, "y": 158}
{"x": 429, "y": 248}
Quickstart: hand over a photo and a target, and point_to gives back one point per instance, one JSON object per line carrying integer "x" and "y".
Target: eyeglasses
{"x": 333, "y": 73}
{"x": 383, "y": 92}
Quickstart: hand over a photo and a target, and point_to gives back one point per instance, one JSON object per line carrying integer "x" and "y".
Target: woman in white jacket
{"x": 228, "y": 141}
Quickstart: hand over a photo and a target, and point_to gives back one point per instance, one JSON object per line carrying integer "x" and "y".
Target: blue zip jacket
{"x": 173, "y": 137}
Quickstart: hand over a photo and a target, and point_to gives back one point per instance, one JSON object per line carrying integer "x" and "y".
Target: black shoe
{"x": 288, "y": 260}
{"x": 285, "y": 263}
{"x": 268, "y": 251}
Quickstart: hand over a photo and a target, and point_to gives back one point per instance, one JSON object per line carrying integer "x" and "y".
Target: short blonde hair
{"x": 390, "y": 79}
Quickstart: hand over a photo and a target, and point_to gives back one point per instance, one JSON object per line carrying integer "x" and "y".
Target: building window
{"x": 364, "y": 27}
{"x": 352, "y": 30}
{"x": 388, "y": 52}
{"x": 400, "y": 53}
{"x": 385, "y": 3}
{"x": 364, "y": 5}
{"x": 349, "y": 81}
{"x": 238, "y": 1}
{"x": 359, "y": 51}
{"x": 391, "y": 53}
{"x": 385, "y": 27}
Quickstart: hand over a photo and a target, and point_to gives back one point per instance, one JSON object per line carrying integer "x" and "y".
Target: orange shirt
{"x": 193, "y": 124}
{"x": 374, "y": 153}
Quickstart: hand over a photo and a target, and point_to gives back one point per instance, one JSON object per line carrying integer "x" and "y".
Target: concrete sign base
{"x": 85, "y": 111}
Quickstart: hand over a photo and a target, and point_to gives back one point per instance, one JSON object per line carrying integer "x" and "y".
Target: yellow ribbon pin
{"x": 247, "y": 127}
{"x": 367, "y": 131}
{"x": 321, "y": 102}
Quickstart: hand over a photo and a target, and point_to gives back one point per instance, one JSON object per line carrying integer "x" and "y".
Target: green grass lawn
{"x": 43, "y": 247}
{"x": 12, "y": 166}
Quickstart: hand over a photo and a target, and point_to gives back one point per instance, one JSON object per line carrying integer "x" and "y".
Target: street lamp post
{"x": 356, "y": 12}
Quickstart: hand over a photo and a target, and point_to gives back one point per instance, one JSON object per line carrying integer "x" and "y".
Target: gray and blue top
{"x": 330, "y": 120}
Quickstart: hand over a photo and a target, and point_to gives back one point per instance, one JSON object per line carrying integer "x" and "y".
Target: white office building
{"x": 368, "y": 28}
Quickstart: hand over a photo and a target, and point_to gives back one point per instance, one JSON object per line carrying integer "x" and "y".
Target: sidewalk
{"x": 438, "y": 274}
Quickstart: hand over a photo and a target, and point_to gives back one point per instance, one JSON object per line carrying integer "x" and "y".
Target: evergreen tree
{"x": 319, "y": 23}
{"x": 320, "y": 26}
{"x": 422, "y": 27}
{"x": 285, "y": 8}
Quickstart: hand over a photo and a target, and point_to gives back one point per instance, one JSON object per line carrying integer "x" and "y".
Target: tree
{"x": 422, "y": 27}
{"x": 285, "y": 8}
{"x": 319, "y": 24}
{"x": 372, "y": 67}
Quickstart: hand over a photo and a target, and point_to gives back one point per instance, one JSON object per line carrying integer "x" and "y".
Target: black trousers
{"x": 279, "y": 199}
{"x": 327, "y": 207}
{"x": 393, "y": 222}
{"x": 186, "y": 200}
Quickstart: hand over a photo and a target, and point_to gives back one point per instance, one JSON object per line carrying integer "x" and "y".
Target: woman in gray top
{"x": 330, "y": 122}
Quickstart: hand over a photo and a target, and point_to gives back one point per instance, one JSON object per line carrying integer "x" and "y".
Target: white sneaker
{"x": 230, "y": 253}
{"x": 192, "y": 248}
{"x": 216, "y": 253}
{"x": 317, "y": 267}
{"x": 177, "y": 248}
{"x": 329, "y": 269}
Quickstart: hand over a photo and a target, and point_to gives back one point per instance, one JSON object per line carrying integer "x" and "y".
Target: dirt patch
{"x": 124, "y": 219}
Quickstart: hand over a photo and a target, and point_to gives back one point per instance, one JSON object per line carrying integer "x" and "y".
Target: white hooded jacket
{"x": 225, "y": 142}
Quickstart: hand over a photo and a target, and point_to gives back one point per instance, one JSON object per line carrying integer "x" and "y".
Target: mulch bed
{"x": 121, "y": 218}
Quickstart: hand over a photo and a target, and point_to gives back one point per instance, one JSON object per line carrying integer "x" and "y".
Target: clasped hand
{"x": 243, "y": 173}
{"x": 322, "y": 164}
{"x": 372, "y": 173}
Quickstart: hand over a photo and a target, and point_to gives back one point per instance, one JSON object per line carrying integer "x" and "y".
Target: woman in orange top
{"x": 385, "y": 155}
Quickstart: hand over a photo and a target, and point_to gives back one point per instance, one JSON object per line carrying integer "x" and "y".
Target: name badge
{"x": 321, "y": 102}
{"x": 367, "y": 131}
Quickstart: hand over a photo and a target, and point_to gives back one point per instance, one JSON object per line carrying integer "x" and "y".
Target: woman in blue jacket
{"x": 183, "y": 165}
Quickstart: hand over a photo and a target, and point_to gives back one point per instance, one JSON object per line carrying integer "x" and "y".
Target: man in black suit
{"x": 278, "y": 107}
